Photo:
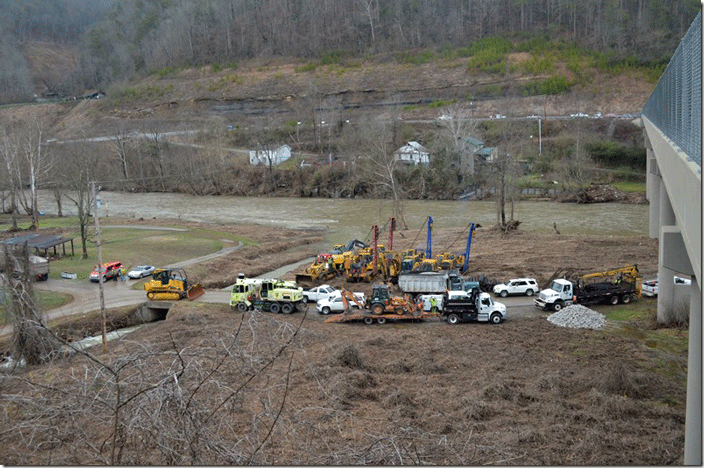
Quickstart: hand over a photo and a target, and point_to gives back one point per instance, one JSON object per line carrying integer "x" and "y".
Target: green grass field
{"x": 130, "y": 245}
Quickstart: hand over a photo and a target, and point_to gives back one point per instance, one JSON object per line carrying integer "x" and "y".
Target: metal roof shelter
{"x": 42, "y": 242}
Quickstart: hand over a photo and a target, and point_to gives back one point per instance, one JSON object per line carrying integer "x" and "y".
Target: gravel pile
{"x": 577, "y": 316}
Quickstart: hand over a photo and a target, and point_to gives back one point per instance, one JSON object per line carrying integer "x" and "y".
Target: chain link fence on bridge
{"x": 675, "y": 106}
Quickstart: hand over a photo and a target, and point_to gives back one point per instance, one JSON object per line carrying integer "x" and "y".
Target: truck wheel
{"x": 381, "y": 320}
{"x": 274, "y": 308}
{"x": 287, "y": 308}
{"x": 242, "y": 307}
{"x": 626, "y": 298}
{"x": 368, "y": 320}
{"x": 377, "y": 309}
{"x": 557, "y": 306}
{"x": 453, "y": 319}
{"x": 504, "y": 293}
{"x": 495, "y": 318}
{"x": 613, "y": 300}
{"x": 530, "y": 292}
{"x": 302, "y": 306}
{"x": 326, "y": 310}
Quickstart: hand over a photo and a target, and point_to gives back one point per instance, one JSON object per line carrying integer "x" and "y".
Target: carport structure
{"x": 42, "y": 243}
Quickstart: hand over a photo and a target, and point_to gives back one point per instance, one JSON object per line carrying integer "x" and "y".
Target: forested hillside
{"x": 95, "y": 43}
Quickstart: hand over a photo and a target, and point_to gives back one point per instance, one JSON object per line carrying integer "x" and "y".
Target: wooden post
{"x": 100, "y": 266}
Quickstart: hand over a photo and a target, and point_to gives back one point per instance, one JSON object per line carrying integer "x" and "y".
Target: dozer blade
{"x": 195, "y": 291}
{"x": 304, "y": 278}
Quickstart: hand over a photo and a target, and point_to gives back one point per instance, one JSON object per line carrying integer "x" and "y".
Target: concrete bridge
{"x": 672, "y": 119}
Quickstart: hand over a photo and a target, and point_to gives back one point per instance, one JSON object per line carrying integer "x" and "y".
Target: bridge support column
{"x": 653, "y": 184}
{"x": 673, "y": 258}
{"x": 693, "y": 419}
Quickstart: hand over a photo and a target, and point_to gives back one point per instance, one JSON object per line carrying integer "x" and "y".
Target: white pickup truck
{"x": 323, "y": 291}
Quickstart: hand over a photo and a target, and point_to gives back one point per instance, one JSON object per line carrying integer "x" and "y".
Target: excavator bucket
{"x": 195, "y": 291}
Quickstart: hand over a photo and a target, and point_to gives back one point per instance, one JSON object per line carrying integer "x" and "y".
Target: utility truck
{"x": 612, "y": 286}
{"x": 271, "y": 295}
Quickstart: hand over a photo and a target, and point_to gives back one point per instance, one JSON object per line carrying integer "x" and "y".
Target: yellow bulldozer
{"x": 325, "y": 266}
{"x": 171, "y": 284}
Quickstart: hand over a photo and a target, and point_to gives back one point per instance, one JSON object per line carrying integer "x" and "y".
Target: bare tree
{"x": 9, "y": 148}
{"x": 576, "y": 168}
{"x": 121, "y": 140}
{"x": 77, "y": 172}
{"x": 37, "y": 160}
{"x": 505, "y": 170}
{"x": 455, "y": 126}
{"x": 31, "y": 340}
{"x": 375, "y": 139}
{"x": 370, "y": 10}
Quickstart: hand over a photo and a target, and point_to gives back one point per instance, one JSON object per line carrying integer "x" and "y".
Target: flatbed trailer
{"x": 367, "y": 317}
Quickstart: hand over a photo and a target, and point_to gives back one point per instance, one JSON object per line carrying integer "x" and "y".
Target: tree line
{"x": 118, "y": 40}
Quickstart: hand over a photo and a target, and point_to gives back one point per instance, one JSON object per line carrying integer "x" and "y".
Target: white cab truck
{"x": 474, "y": 307}
{"x": 562, "y": 293}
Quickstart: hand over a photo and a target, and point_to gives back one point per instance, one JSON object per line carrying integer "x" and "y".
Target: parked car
{"x": 109, "y": 270}
{"x": 518, "y": 286}
{"x": 141, "y": 271}
{"x": 335, "y": 304}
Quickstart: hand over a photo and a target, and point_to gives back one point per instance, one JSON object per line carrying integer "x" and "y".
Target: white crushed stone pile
{"x": 577, "y": 316}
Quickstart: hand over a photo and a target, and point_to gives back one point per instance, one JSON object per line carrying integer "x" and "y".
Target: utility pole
{"x": 100, "y": 267}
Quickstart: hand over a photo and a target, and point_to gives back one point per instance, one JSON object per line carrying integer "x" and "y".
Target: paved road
{"x": 86, "y": 295}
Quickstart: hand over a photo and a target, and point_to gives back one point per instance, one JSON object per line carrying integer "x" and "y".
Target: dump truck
{"x": 269, "y": 295}
{"x": 171, "y": 284}
{"x": 477, "y": 307}
{"x": 612, "y": 286}
{"x": 434, "y": 283}
{"x": 38, "y": 266}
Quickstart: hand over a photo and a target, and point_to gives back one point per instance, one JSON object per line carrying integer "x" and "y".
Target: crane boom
{"x": 429, "y": 242}
{"x": 631, "y": 271}
{"x": 469, "y": 246}
{"x": 392, "y": 226}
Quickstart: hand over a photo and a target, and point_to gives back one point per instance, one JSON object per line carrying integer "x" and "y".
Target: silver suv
{"x": 527, "y": 286}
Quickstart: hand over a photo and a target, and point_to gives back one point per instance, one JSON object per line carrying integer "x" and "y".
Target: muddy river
{"x": 344, "y": 219}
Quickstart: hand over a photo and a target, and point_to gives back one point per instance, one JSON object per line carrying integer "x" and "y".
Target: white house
{"x": 412, "y": 153}
{"x": 270, "y": 157}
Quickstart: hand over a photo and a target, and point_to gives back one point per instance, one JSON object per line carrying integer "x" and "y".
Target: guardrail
{"x": 675, "y": 106}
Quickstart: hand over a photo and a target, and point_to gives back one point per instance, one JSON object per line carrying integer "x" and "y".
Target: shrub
{"x": 615, "y": 155}
{"x": 551, "y": 86}
{"x": 309, "y": 67}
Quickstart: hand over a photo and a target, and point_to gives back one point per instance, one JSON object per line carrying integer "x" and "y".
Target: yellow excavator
{"x": 171, "y": 284}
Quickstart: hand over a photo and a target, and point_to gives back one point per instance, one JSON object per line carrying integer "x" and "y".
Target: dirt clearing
{"x": 212, "y": 386}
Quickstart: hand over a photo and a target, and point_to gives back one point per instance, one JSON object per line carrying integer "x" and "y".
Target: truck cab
{"x": 473, "y": 307}
{"x": 558, "y": 295}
